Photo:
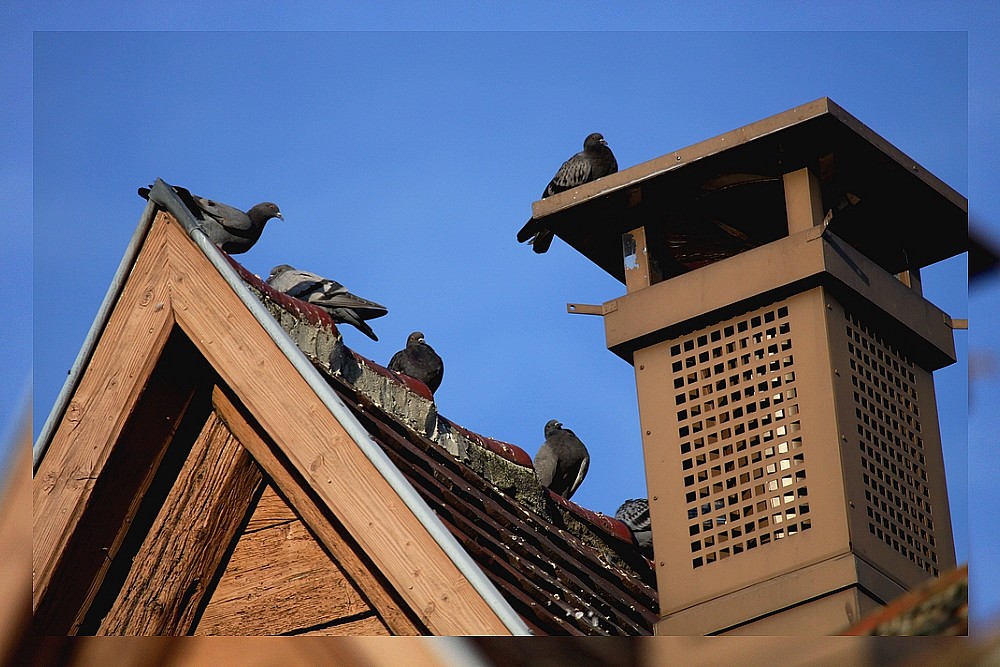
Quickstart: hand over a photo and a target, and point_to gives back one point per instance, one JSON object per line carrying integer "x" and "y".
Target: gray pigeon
{"x": 420, "y": 361}
{"x": 593, "y": 162}
{"x": 229, "y": 228}
{"x": 634, "y": 513}
{"x": 329, "y": 295}
{"x": 562, "y": 460}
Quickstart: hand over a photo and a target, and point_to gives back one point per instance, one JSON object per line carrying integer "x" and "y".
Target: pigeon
{"x": 562, "y": 460}
{"x": 329, "y": 295}
{"x": 229, "y": 228}
{"x": 593, "y": 162}
{"x": 634, "y": 513}
{"x": 420, "y": 361}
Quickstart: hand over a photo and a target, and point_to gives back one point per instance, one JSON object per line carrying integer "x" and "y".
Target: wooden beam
{"x": 104, "y": 402}
{"x": 640, "y": 266}
{"x": 803, "y": 200}
{"x": 327, "y": 528}
{"x": 188, "y": 539}
{"x": 319, "y": 449}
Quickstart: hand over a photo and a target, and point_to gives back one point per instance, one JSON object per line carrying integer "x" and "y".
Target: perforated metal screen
{"x": 888, "y": 434}
{"x": 745, "y": 480}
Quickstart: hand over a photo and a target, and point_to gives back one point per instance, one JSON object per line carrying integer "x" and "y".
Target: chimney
{"x": 783, "y": 356}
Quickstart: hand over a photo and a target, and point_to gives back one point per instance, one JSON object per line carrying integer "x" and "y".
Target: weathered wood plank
{"x": 279, "y": 580}
{"x": 377, "y": 591}
{"x": 370, "y": 626}
{"x": 188, "y": 539}
{"x": 106, "y": 401}
{"x": 271, "y": 511}
{"x": 318, "y": 448}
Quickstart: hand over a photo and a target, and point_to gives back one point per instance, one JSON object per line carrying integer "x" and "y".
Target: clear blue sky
{"x": 405, "y": 162}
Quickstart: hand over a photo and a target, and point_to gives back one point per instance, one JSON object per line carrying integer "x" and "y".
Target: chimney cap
{"x": 724, "y": 195}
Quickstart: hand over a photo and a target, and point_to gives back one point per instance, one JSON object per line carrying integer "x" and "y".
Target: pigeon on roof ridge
{"x": 420, "y": 361}
{"x": 331, "y": 296}
{"x": 594, "y": 161}
{"x": 562, "y": 460}
{"x": 228, "y": 227}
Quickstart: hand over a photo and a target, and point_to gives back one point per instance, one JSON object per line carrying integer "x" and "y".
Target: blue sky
{"x": 405, "y": 162}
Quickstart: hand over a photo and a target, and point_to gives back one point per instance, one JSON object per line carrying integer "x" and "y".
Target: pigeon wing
{"x": 545, "y": 465}
{"x": 331, "y": 294}
{"x": 228, "y": 216}
{"x": 296, "y": 283}
{"x": 573, "y": 172}
{"x": 581, "y": 473}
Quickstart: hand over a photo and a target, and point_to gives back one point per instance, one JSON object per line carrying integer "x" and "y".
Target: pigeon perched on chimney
{"x": 562, "y": 460}
{"x": 634, "y": 513}
{"x": 420, "y": 361}
{"x": 593, "y": 162}
{"x": 331, "y": 296}
{"x": 228, "y": 227}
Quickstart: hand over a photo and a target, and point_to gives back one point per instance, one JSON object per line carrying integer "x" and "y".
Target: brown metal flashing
{"x": 724, "y": 195}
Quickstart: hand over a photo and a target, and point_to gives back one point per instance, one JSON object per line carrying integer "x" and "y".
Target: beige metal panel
{"x": 893, "y": 463}
{"x": 824, "y": 616}
{"x": 741, "y": 449}
{"x": 777, "y": 596}
{"x": 767, "y": 273}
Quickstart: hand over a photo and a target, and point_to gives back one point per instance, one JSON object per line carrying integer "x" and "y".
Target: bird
{"x": 634, "y": 513}
{"x": 420, "y": 361}
{"x": 562, "y": 460}
{"x": 228, "y": 227}
{"x": 594, "y": 161}
{"x": 331, "y": 296}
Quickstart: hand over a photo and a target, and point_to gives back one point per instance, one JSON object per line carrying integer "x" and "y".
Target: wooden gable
{"x": 188, "y": 434}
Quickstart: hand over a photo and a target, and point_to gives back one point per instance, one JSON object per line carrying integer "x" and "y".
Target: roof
{"x": 724, "y": 195}
{"x": 564, "y": 569}
{"x": 466, "y": 533}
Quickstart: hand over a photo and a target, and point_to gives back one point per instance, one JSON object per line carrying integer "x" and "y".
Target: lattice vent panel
{"x": 897, "y": 495}
{"x": 741, "y": 448}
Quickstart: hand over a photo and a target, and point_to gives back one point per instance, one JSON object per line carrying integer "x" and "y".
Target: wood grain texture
{"x": 97, "y": 414}
{"x": 369, "y": 626}
{"x": 279, "y": 580}
{"x": 337, "y": 542}
{"x": 271, "y": 511}
{"x": 188, "y": 539}
{"x": 318, "y": 448}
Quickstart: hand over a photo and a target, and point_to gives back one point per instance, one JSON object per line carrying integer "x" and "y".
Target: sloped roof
{"x": 538, "y": 561}
{"x": 564, "y": 569}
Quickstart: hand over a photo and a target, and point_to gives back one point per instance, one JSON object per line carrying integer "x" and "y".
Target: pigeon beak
{"x": 278, "y": 215}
